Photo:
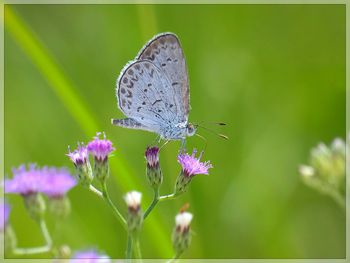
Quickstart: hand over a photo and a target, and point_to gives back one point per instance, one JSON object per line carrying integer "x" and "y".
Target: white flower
{"x": 133, "y": 199}
{"x": 183, "y": 220}
{"x": 306, "y": 171}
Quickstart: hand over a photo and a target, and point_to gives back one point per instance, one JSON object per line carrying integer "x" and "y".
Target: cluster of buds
{"x": 135, "y": 215}
{"x": 326, "y": 171}
{"x": 100, "y": 149}
{"x": 182, "y": 234}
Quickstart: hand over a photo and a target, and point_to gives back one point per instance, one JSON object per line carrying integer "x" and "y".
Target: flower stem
{"x": 137, "y": 249}
{"x": 167, "y": 197}
{"x": 128, "y": 247}
{"x": 37, "y": 250}
{"x": 95, "y": 191}
{"x": 110, "y": 203}
{"x": 153, "y": 204}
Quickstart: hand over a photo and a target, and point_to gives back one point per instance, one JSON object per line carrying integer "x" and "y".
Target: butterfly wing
{"x": 165, "y": 51}
{"x": 143, "y": 94}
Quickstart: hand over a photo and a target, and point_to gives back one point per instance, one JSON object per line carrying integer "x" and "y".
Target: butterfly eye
{"x": 190, "y": 130}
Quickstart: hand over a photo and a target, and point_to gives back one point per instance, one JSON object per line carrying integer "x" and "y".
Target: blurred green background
{"x": 274, "y": 73}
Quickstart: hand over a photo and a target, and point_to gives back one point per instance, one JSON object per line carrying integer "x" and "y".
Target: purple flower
{"x": 100, "y": 148}
{"x": 25, "y": 181}
{"x": 56, "y": 182}
{"x": 191, "y": 165}
{"x": 152, "y": 156}
{"x": 4, "y": 214}
{"x": 90, "y": 256}
{"x": 79, "y": 156}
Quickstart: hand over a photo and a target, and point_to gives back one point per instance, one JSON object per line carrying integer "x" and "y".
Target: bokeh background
{"x": 274, "y": 73}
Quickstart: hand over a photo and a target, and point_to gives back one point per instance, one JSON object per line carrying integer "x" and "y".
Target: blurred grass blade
{"x": 65, "y": 91}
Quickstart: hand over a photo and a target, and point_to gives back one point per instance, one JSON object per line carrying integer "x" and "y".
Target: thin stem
{"x": 45, "y": 232}
{"x": 153, "y": 204}
{"x": 167, "y": 197}
{"x": 110, "y": 203}
{"x": 175, "y": 258}
{"x": 32, "y": 250}
{"x": 128, "y": 247}
{"x": 37, "y": 250}
{"x": 137, "y": 249}
{"x": 95, "y": 191}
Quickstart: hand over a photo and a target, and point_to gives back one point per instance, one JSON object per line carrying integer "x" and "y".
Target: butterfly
{"x": 153, "y": 90}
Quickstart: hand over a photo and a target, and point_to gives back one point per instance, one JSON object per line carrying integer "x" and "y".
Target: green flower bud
{"x": 59, "y": 206}
{"x": 135, "y": 215}
{"x": 182, "y": 234}
{"x": 153, "y": 171}
{"x": 35, "y": 205}
{"x": 182, "y": 183}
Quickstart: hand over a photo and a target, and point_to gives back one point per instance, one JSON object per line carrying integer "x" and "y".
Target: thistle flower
{"x": 56, "y": 182}
{"x": 191, "y": 166}
{"x": 5, "y": 227}
{"x": 133, "y": 200}
{"x": 182, "y": 234}
{"x": 25, "y": 181}
{"x": 183, "y": 221}
{"x": 4, "y": 214}
{"x": 100, "y": 149}
{"x": 80, "y": 158}
{"x": 90, "y": 256}
{"x": 135, "y": 215}
{"x": 153, "y": 171}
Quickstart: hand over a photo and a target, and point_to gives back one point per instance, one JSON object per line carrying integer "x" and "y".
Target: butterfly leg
{"x": 166, "y": 142}
{"x": 183, "y": 146}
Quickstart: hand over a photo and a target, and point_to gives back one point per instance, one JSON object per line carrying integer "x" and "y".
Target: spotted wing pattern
{"x": 145, "y": 95}
{"x": 165, "y": 52}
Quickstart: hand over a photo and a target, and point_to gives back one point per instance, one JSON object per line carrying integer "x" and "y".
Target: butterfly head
{"x": 191, "y": 129}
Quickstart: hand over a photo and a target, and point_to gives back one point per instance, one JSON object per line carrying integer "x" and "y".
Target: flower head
{"x": 152, "y": 156}
{"x": 191, "y": 165}
{"x": 100, "y": 148}
{"x": 90, "y": 256}
{"x": 25, "y": 181}
{"x": 133, "y": 200}
{"x": 56, "y": 181}
{"x": 79, "y": 156}
{"x": 183, "y": 221}
{"x": 4, "y": 214}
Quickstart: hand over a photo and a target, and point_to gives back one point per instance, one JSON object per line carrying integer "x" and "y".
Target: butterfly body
{"x": 153, "y": 90}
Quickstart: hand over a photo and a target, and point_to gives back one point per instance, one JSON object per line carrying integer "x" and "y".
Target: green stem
{"x": 168, "y": 197}
{"x": 153, "y": 204}
{"x": 128, "y": 247}
{"x": 95, "y": 191}
{"x": 137, "y": 249}
{"x": 37, "y": 250}
{"x": 175, "y": 258}
{"x": 110, "y": 203}
{"x": 45, "y": 232}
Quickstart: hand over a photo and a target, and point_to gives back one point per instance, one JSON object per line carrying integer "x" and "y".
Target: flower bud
{"x": 153, "y": 171}
{"x": 182, "y": 234}
{"x": 81, "y": 162}
{"x": 135, "y": 215}
{"x": 35, "y": 205}
{"x": 59, "y": 206}
{"x": 100, "y": 149}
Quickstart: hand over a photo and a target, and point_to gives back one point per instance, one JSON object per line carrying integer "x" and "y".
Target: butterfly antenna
{"x": 204, "y": 139}
{"x": 214, "y": 132}
{"x": 213, "y": 123}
